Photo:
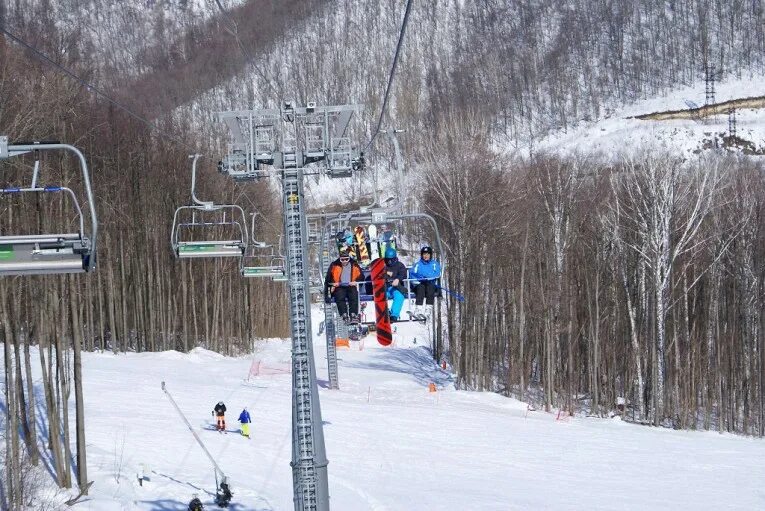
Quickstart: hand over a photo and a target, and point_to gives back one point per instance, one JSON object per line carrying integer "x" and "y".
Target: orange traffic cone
{"x": 432, "y": 387}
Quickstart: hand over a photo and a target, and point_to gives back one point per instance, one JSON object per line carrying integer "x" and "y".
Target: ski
{"x": 354, "y": 329}
{"x": 215, "y": 428}
{"x": 388, "y": 240}
{"x": 360, "y": 238}
{"x": 420, "y": 318}
{"x": 382, "y": 322}
{"x": 374, "y": 246}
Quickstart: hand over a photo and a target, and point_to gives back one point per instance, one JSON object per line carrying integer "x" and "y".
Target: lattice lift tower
{"x": 294, "y": 142}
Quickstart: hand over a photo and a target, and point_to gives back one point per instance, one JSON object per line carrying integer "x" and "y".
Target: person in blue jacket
{"x": 245, "y": 420}
{"x": 424, "y": 276}
{"x": 395, "y": 275}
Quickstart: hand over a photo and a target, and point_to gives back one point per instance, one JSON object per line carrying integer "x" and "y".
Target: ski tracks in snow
{"x": 374, "y": 504}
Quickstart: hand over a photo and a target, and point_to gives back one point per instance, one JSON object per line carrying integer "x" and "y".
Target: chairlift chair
{"x": 49, "y": 253}
{"x": 275, "y": 267}
{"x": 185, "y": 249}
{"x": 375, "y": 217}
{"x": 236, "y": 220}
{"x": 261, "y": 251}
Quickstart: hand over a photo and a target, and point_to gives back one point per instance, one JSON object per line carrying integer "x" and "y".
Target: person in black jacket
{"x": 220, "y": 414}
{"x": 196, "y": 504}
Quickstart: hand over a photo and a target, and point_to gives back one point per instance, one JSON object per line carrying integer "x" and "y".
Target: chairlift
{"x": 254, "y": 262}
{"x": 49, "y": 253}
{"x": 229, "y": 216}
{"x": 346, "y": 222}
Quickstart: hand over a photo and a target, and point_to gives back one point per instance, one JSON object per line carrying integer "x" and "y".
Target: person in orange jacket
{"x": 340, "y": 281}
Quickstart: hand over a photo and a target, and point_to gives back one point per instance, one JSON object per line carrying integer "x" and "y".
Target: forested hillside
{"x": 585, "y": 281}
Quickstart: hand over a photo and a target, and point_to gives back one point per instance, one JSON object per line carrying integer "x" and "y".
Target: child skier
{"x": 245, "y": 420}
{"x": 220, "y": 414}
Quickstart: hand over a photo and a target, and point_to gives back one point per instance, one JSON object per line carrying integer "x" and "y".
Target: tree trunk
{"x": 82, "y": 467}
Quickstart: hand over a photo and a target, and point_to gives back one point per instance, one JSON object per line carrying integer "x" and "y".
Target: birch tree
{"x": 665, "y": 201}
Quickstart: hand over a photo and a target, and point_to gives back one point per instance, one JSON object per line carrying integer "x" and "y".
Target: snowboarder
{"x": 395, "y": 275}
{"x": 424, "y": 276}
{"x": 245, "y": 420}
{"x": 196, "y": 504}
{"x": 220, "y": 414}
{"x": 340, "y": 279}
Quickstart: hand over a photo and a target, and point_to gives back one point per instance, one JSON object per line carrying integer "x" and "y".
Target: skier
{"x": 196, "y": 504}
{"x": 245, "y": 420}
{"x": 220, "y": 414}
{"x": 395, "y": 275}
{"x": 339, "y": 283}
{"x": 424, "y": 276}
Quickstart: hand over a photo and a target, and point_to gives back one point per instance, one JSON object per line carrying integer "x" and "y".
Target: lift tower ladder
{"x": 330, "y": 316}
{"x": 309, "y": 457}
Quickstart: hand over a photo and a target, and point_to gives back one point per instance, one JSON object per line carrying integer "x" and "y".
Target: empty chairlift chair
{"x": 55, "y": 252}
{"x": 195, "y": 218}
{"x": 260, "y": 260}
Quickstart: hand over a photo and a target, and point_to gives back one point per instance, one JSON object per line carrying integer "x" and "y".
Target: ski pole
{"x": 454, "y": 294}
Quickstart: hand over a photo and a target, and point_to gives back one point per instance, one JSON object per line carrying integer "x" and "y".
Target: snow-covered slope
{"x": 618, "y": 133}
{"x": 392, "y": 445}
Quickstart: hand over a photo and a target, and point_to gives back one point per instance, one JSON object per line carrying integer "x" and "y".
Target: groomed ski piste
{"x": 391, "y": 444}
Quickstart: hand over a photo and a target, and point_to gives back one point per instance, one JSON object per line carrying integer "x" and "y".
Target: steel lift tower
{"x": 294, "y": 142}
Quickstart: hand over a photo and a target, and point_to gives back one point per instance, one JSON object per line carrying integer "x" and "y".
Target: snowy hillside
{"x": 392, "y": 445}
{"x": 618, "y": 132}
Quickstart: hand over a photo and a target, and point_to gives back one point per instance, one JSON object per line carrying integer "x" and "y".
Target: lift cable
{"x": 392, "y": 73}
{"x": 42, "y": 56}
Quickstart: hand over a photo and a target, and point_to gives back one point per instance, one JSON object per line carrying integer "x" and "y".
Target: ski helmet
{"x": 390, "y": 253}
{"x": 426, "y": 250}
